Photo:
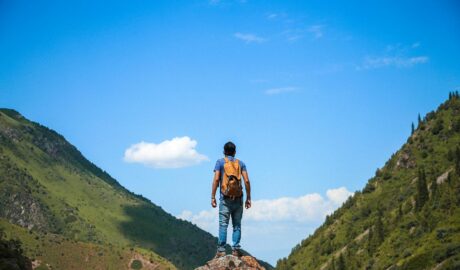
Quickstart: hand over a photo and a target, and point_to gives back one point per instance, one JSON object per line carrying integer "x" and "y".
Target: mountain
{"x": 408, "y": 214}
{"x": 69, "y": 213}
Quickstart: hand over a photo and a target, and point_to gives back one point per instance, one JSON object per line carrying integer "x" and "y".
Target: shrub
{"x": 368, "y": 188}
{"x": 136, "y": 264}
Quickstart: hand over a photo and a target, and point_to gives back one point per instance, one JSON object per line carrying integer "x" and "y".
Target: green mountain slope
{"x": 48, "y": 187}
{"x": 408, "y": 214}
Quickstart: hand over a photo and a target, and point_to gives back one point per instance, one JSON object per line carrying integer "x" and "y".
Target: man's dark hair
{"x": 229, "y": 149}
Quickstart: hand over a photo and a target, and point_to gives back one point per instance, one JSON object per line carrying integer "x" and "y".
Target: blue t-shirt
{"x": 220, "y": 167}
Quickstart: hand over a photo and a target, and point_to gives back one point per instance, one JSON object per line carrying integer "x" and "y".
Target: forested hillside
{"x": 50, "y": 193}
{"x": 408, "y": 214}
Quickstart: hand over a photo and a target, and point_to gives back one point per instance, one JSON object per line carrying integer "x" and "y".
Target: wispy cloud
{"x": 280, "y": 90}
{"x": 258, "y": 81}
{"x": 395, "y": 61}
{"x": 176, "y": 153}
{"x": 316, "y": 30}
{"x": 294, "y": 34}
{"x": 249, "y": 38}
{"x": 276, "y": 15}
{"x": 272, "y": 16}
{"x": 226, "y": 2}
{"x": 395, "y": 55}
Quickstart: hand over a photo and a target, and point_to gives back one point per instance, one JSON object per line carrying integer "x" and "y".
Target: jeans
{"x": 234, "y": 209}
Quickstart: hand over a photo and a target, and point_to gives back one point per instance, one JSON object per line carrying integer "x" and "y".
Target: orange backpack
{"x": 231, "y": 180}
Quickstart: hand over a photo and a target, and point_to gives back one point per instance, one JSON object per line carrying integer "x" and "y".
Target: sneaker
{"x": 219, "y": 254}
{"x": 236, "y": 252}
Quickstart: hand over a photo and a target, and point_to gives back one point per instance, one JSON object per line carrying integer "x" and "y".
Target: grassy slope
{"x": 57, "y": 252}
{"x": 80, "y": 202}
{"x": 411, "y": 239}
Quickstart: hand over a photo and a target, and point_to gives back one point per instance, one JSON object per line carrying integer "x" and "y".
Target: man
{"x": 227, "y": 175}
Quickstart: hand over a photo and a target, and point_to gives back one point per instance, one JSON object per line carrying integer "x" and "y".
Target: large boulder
{"x": 230, "y": 262}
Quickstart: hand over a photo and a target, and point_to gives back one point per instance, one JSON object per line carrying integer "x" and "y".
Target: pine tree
{"x": 341, "y": 263}
{"x": 370, "y": 243}
{"x": 419, "y": 119}
{"x": 434, "y": 193}
{"x": 379, "y": 230}
{"x": 426, "y": 220}
{"x": 445, "y": 201}
{"x": 457, "y": 160}
{"x": 412, "y": 128}
{"x": 333, "y": 263}
{"x": 422, "y": 190}
{"x": 450, "y": 95}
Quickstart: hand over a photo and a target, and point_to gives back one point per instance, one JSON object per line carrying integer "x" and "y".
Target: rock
{"x": 405, "y": 161}
{"x": 230, "y": 262}
{"x": 443, "y": 177}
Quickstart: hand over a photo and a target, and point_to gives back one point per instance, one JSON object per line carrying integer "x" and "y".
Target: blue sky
{"x": 315, "y": 95}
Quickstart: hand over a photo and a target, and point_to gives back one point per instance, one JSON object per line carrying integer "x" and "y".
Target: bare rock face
{"x": 405, "y": 161}
{"x": 230, "y": 262}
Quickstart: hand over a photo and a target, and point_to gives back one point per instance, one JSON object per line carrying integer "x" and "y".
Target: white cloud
{"x": 280, "y": 90}
{"x": 285, "y": 220}
{"x": 304, "y": 209}
{"x": 176, "y": 153}
{"x": 249, "y": 38}
{"x": 338, "y": 195}
{"x": 395, "y": 61}
{"x": 316, "y": 30}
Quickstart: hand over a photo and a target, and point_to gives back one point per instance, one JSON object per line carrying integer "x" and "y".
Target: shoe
{"x": 219, "y": 254}
{"x": 236, "y": 253}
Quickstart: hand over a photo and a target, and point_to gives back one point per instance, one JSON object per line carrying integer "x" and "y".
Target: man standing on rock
{"x": 227, "y": 174}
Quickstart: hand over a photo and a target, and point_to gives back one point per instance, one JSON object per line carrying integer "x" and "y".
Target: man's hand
{"x": 213, "y": 202}
{"x": 247, "y": 204}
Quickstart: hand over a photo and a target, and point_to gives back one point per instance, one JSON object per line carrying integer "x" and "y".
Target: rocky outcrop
{"x": 405, "y": 161}
{"x": 230, "y": 262}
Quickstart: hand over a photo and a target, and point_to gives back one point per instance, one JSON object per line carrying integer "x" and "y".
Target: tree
{"x": 379, "y": 230}
{"x": 333, "y": 263}
{"x": 422, "y": 190}
{"x": 457, "y": 160}
{"x": 438, "y": 126}
{"x": 400, "y": 212}
{"x": 370, "y": 243}
{"x": 341, "y": 263}
{"x": 434, "y": 193}
{"x": 12, "y": 255}
{"x": 412, "y": 128}
{"x": 419, "y": 119}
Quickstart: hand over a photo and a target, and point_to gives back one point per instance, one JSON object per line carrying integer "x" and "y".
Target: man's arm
{"x": 215, "y": 184}
{"x": 247, "y": 185}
